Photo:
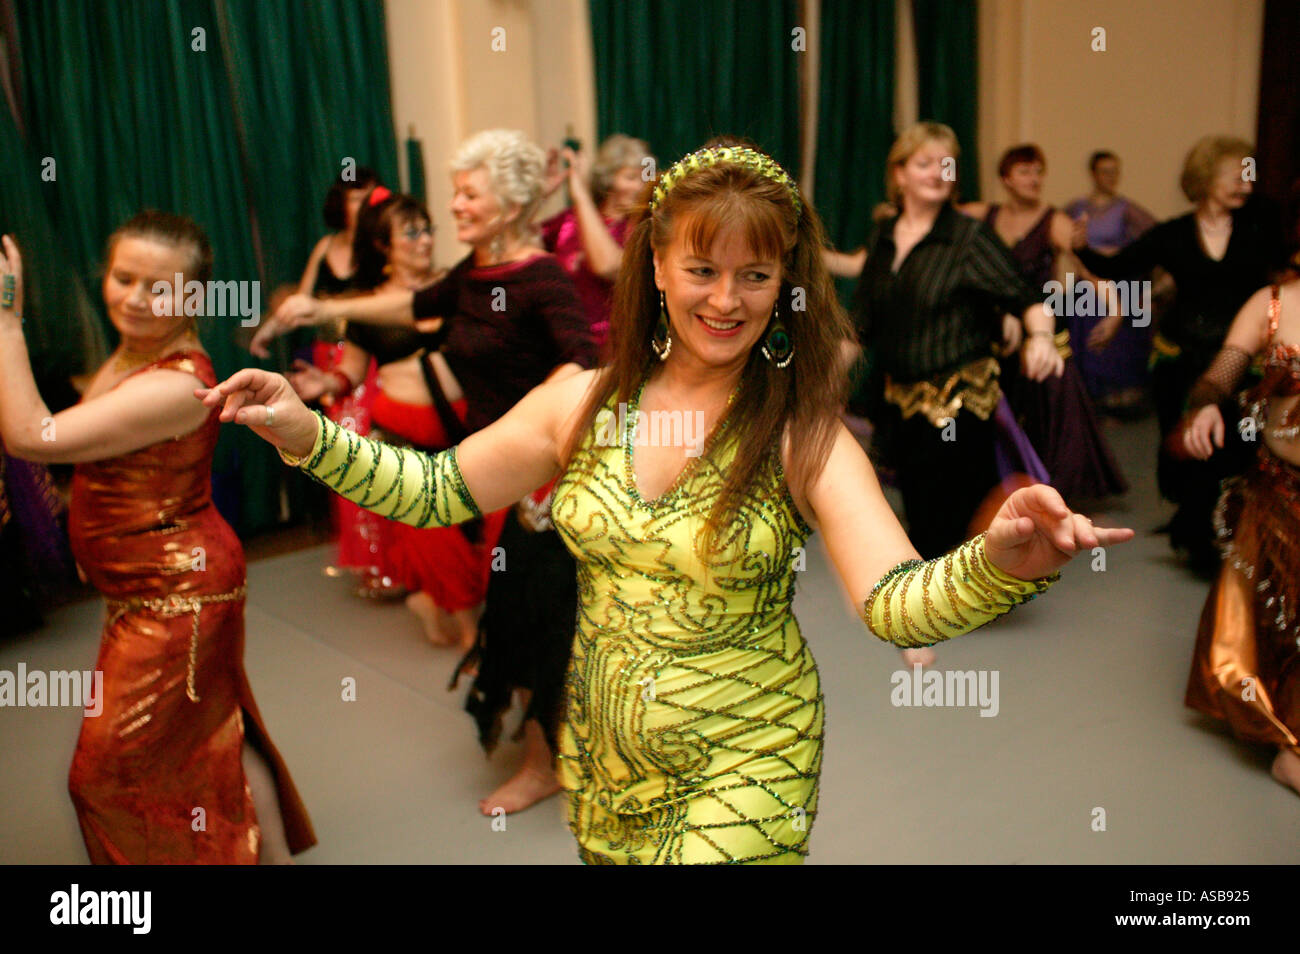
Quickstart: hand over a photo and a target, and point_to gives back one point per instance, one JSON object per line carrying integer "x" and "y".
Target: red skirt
{"x": 441, "y": 561}
{"x": 363, "y": 537}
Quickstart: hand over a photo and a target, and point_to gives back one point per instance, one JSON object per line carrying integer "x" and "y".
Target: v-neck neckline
{"x": 688, "y": 469}
{"x": 1204, "y": 249}
{"x": 1048, "y": 210}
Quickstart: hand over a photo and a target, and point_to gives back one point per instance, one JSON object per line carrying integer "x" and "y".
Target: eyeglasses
{"x": 411, "y": 233}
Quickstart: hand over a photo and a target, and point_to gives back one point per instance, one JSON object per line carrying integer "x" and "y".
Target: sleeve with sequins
{"x": 922, "y": 602}
{"x": 422, "y": 490}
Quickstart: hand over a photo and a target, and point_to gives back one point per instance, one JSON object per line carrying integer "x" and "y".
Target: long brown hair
{"x": 803, "y": 400}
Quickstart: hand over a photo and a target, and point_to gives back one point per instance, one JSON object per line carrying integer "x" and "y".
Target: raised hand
{"x": 266, "y": 403}
{"x": 11, "y": 280}
{"x": 1035, "y": 534}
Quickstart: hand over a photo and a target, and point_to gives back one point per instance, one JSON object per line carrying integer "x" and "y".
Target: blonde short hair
{"x": 616, "y": 152}
{"x": 1204, "y": 158}
{"x": 516, "y": 169}
{"x": 909, "y": 141}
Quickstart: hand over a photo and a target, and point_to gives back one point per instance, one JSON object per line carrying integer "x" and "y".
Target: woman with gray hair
{"x": 587, "y": 238}
{"x": 513, "y": 320}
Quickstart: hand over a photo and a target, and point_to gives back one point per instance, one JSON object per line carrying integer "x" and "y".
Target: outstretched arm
{"x": 910, "y": 602}
{"x": 490, "y": 469}
{"x": 844, "y": 264}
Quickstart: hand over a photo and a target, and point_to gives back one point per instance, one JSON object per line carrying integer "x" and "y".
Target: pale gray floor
{"x": 1091, "y": 682}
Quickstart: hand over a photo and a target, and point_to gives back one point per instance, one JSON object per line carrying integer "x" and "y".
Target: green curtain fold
{"x": 675, "y": 72}
{"x": 947, "y": 63}
{"x": 237, "y": 113}
{"x": 855, "y": 108}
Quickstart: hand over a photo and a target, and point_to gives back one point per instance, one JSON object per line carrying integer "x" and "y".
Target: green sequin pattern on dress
{"x": 694, "y": 710}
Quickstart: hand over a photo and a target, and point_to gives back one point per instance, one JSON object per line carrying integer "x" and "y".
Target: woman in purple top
{"x": 1056, "y": 413}
{"x": 1114, "y": 363}
{"x": 587, "y": 238}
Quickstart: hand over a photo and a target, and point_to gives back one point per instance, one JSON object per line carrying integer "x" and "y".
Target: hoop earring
{"x": 777, "y": 346}
{"x": 662, "y": 341}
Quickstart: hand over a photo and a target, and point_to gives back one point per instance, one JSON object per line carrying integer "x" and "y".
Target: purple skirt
{"x": 1058, "y": 418}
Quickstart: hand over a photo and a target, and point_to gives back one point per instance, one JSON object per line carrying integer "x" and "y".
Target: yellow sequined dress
{"x": 694, "y": 712}
{"x": 693, "y": 728}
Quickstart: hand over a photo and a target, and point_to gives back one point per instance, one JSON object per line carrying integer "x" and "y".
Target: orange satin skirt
{"x": 1246, "y": 666}
{"x": 158, "y": 778}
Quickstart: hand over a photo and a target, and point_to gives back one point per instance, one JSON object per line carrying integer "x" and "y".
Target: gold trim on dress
{"x": 172, "y": 606}
{"x": 973, "y": 386}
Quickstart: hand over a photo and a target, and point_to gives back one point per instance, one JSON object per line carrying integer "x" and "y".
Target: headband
{"x": 750, "y": 159}
{"x": 378, "y": 194}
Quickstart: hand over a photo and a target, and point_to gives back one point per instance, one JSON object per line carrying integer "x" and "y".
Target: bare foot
{"x": 427, "y": 612}
{"x": 919, "y": 657}
{"x": 1286, "y": 768}
{"x": 525, "y": 788}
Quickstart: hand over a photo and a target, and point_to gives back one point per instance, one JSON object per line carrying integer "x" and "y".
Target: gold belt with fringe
{"x": 172, "y": 606}
{"x": 973, "y": 386}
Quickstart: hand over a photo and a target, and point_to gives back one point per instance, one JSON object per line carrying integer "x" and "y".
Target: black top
{"x": 943, "y": 307}
{"x": 509, "y": 327}
{"x": 327, "y": 283}
{"x": 1209, "y": 292}
{"x": 389, "y": 343}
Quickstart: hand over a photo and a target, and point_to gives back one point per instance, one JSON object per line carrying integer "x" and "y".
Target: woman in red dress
{"x": 178, "y": 767}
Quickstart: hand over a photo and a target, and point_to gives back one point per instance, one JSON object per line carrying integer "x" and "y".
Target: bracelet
{"x": 1046, "y": 334}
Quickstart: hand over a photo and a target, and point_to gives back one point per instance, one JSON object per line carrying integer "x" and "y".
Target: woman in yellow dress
{"x": 693, "y": 728}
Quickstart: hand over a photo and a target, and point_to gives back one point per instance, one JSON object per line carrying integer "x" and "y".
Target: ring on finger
{"x": 270, "y": 415}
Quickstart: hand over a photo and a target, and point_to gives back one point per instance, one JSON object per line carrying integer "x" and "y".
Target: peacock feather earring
{"x": 777, "y": 346}
{"x": 662, "y": 341}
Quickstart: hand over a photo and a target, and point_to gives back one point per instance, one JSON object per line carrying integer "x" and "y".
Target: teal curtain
{"x": 855, "y": 108}
{"x": 310, "y": 82}
{"x": 675, "y": 72}
{"x": 947, "y": 62}
{"x": 63, "y": 330}
{"x": 233, "y": 112}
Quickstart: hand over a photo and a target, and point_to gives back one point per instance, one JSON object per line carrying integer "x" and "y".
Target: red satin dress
{"x": 1246, "y": 666}
{"x": 157, "y": 776}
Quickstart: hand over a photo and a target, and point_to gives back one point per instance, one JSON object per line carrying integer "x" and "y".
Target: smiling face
{"x": 479, "y": 216}
{"x": 1228, "y": 187}
{"x": 138, "y": 264}
{"x": 719, "y": 299}
{"x": 921, "y": 178}
{"x": 410, "y": 246}
{"x": 1024, "y": 181}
